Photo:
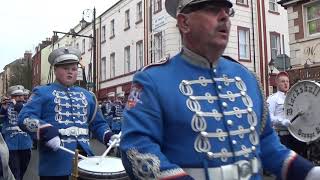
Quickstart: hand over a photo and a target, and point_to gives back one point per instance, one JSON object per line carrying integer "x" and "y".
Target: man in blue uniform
{"x": 116, "y": 112}
{"x": 19, "y": 142}
{"x": 200, "y": 115}
{"x": 61, "y": 114}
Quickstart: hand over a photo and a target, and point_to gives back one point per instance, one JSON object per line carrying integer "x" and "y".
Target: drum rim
{"x": 108, "y": 174}
{"x": 292, "y": 132}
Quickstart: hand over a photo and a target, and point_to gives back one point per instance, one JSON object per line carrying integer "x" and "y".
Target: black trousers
{"x": 18, "y": 162}
{"x": 294, "y": 144}
{"x": 54, "y": 177}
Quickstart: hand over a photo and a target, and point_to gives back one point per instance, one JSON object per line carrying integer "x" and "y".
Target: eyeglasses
{"x": 214, "y": 9}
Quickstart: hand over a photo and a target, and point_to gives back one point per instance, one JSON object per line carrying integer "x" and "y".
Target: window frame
{"x": 245, "y": 3}
{"x": 157, "y": 6}
{"x": 103, "y": 34}
{"x": 103, "y": 69}
{"x": 247, "y": 44}
{"x": 275, "y": 5}
{"x": 112, "y": 29}
{"x": 83, "y": 47}
{"x": 158, "y": 41}
{"x": 126, "y": 58}
{"x": 112, "y": 65}
{"x": 306, "y": 20}
{"x": 278, "y": 42}
{"x": 139, "y": 54}
{"x": 127, "y": 19}
{"x": 139, "y": 12}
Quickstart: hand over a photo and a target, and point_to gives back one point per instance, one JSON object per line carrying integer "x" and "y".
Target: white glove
{"x": 286, "y": 122}
{"x": 115, "y": 137}
{"x": 314, "y": 174}
{"x": 54, "y": 143}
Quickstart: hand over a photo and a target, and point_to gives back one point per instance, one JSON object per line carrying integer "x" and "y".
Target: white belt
{"x": 14, "y": 128}
{"x": 73, "y": 131}
{"x": 241, "y": 170}
{"x": 69, "y": 140}
{"x": 283, "y": 133}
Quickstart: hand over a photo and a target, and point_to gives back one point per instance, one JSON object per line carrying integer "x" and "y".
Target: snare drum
{"x": 93, "y": 168}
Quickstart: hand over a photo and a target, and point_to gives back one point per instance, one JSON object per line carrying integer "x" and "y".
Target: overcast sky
{"x": 25, "y": 23}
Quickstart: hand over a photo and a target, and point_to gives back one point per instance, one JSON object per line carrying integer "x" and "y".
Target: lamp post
{"x": 271, "y": 66}
{"x": 83, "y": 24}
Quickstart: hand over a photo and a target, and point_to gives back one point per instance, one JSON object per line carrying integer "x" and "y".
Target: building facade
{"x": 304, "y": 33}
{"x": 135, "y": 33}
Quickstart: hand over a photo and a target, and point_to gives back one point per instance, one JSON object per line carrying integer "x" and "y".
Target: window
{"x": 77, "y": 45}
{"x": 244, "y": 43}
{"x": 158, "y": 47}
{"x": 139, "y": 12}
{"x": 112, "y": 28}
{"x": 127, "y": 59}
{"x": 313, "y": 18}
{"x": 273, "y": 6}
{"x": 103, "y": 69}
{"x": 157, "y": 7}
{"x": 139, "y": 54}
{"x": 103, "y": 34}
{"x": 275, "y": 44}
{"x": 90, "y": 43}
{"x": 83, "y": 49}
{"x": 127, "y": 20}
{"x": 112, "y": 65}
{"x": 242, "y": 2}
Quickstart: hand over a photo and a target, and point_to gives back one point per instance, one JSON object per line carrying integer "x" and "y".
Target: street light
{"x": 271, "y": 66}
{"x": 83, "y": 24}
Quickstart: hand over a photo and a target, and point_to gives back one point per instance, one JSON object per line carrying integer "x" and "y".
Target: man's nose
{"x": 223, "y": 14}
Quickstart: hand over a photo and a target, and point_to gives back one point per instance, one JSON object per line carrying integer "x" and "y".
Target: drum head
{"x": 302, "y": 108}
{"x": 97, "y": 167}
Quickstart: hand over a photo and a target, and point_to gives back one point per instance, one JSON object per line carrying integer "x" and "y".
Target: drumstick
{"x": 72, "y": 152}
{"x": 296, "y": 116}
{"x": 108, "y": 149}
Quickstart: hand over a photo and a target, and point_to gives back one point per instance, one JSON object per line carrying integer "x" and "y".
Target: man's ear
{"x": 183, "y": 23}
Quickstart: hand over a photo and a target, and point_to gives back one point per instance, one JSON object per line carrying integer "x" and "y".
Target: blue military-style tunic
{"x": 117, "y": 116}
{"x": 186, "y": 115}
{"x": 69, "y": 109}
{"x": 15, "y": 138}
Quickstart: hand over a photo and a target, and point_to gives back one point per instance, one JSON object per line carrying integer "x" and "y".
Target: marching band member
{"x": 199, "y": 115}
{"x": 277, "y": 115}
{"x": 61, "y": 114}
{"x": 19, "y": 142}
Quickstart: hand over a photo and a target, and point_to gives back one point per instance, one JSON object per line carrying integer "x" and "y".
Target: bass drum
{"x": 94, "y": 168}
{"x": 302, "y": 108}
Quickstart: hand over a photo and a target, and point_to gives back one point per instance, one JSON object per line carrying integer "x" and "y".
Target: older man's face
{"x": 66, "y": 74}
{"x": 209, "y": 26}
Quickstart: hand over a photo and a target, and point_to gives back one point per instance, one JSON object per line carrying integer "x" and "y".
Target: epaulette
{"x": 161, "y": 62}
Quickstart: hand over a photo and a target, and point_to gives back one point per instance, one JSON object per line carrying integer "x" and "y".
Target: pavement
{"x": 32, "y": 171}
{"x": 98, "y": 148}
